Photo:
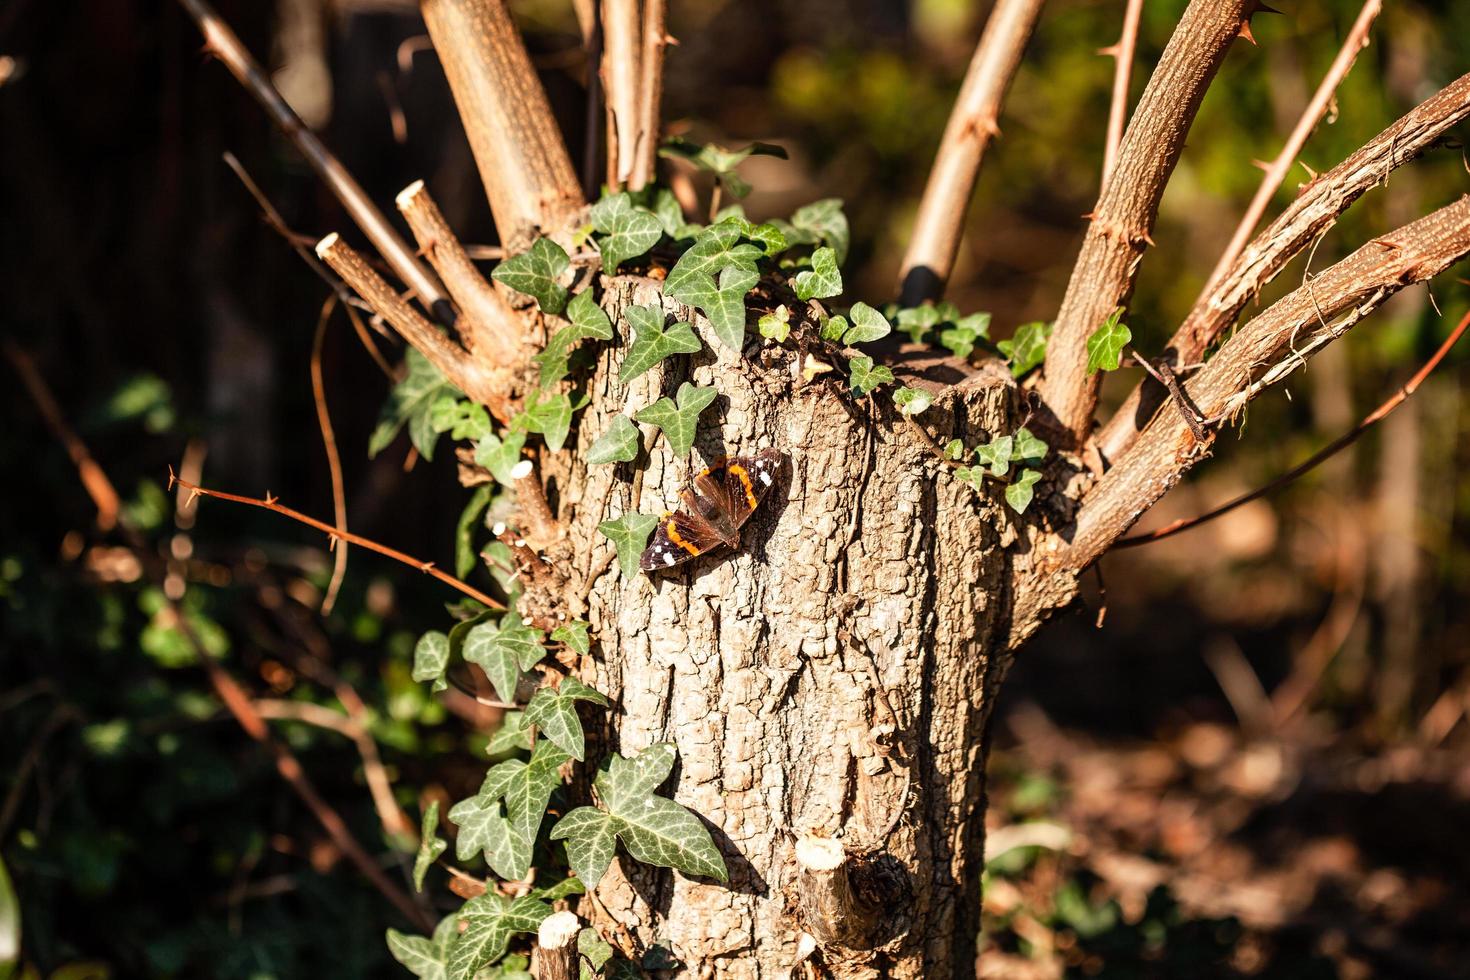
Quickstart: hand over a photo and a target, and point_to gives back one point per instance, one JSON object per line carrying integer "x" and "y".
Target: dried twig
{"x": 1261, "y": 353}
{"x": 1317, "y": 458}
{"x": 334, "y": 460}
{"x": 1302, "y": 223}
{"x": 972, "y": 123}
{"x": 222, "y": 42}
{"x": 1122, "y": 54}
{"x": 650, "y": 92}
{"x": 1103, "y": 276}
{"x": 620, "y": 75}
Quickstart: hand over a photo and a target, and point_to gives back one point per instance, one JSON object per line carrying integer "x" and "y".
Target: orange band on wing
{"x": 750, "y": 496}
{"x": 673, "y": 532}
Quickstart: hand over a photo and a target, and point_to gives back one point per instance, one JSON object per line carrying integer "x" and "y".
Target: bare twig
{"x": 334, "y": 461}
{"x": 523, "y": 160}
{"x": 1302, "y": 223}
{"x": 222, "y": 42}
{"x": 1122, "y": 54}
{"x": 620, "y": 76}
{"x": 650, "y": 92}
{"x": 972, "y": 123}
{"x": 1317, "y": 458}
{"x": 1103, "y": 276}
{"x": 271, "y": 504}
{"x": 365, "y": 337}
{"x": 1262, "y": 352}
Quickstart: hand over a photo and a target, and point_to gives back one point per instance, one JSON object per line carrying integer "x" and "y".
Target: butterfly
{"x": 724, "y": 496}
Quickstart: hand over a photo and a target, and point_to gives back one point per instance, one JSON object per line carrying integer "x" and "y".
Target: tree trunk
{"x": 831, "y": 680}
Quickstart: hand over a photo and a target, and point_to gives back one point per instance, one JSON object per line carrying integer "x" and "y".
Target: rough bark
{"x": 832, "y": 677}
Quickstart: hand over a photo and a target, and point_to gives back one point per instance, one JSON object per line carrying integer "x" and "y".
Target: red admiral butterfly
{"x": 724, "y": 497}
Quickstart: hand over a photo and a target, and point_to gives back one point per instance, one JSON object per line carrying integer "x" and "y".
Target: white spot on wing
{"x": 668, "y": 558}
{"x": 765, "y": 478}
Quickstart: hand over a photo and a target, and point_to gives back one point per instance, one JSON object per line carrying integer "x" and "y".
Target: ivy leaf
{"x": 1020, "y": 493}
{"x": 954, "y": 449}
{"x": 678, "y": 420}
{"x": 503, "y": 650}
{"x": 651, "y": 342}
{"x": 502, "y": 819}
{"x": 654, "y": 829}
{"x": 565, "y": 888}
{"x": 822, "y": 280}
{"x": 619, "y": 444}
{"x": 425, "y": 958}
{"x": 997, "y": 454}
{"x": 464, "y": 532}
{"x": 769, "y": 236}
{"x": 460, "y": 417}
{"x": 552, "y": 418}
{"x": 912, "y": 401}
{"x": 1028, "y": 447}
{"x": 628, "y": 231}
{"x": 776, "y": 325}
{"x": 502, "y": 457}
{"x": 554, "y": 712}
{"x": 1027, "y": 348}
{"x": 833, "y": 328}
{"x": 629, "y": 534}
{"x": 490, "y": 920}
{"x": 962, "y": 337}
{"x": 430, "y": 845}
{"x": 594, "y": 948}
{"x": 512, "y": 734}
{"x": 574, "y": 635}
{"x": 918, "y": 321}
{"x": 867, "y": 325}
{"x": 864, "y": 377}
{"x": 714, "y": 276}
{"x": 670, "y": 214}
{"x": 411, "y": 403}
{"x": 537, "y": 273}
{"x": 430, "y": 658}
{"x": 588, "y": 321}
{"x": 823, "y": 220}
{"x": 719, "y": 161}
{"x": 1105, "y": 346}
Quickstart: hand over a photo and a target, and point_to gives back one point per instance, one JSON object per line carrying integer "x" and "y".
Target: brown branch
{"x": 270, "y": 503}
{"x": 1261, "y": 353}
{"x": 94, "y": 480}
{"x": 620, "y": 75}
{"x": 365, "y": 338}
{"x": 1103, "y": 277}
{"x": 556, "y": 947}
{"x": 1298, "y": 226}
{"x": 487, "y": 324}
{"x": 1122, "y": 54}
{"x": 650, "y": 92}
{"x": 1317, "y": 458}
{"x": 334, "y": 460}
{"x": 221, "y": 41}
{"x": 832, "y": 910}
{"x": 972, "y": 123}
{"x": 523, "y": 160}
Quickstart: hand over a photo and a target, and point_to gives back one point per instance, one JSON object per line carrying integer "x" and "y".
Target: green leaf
{"x": 998, "y": 454}
{"x": 823, "y": 220}
{"x": 565, "y": 888}
{"x": 629, "y": 534}
{"x": 678, "y": 416}
{"x": 962, "y": 337}
{"x": 719, "y": 161}
{"x": 619, "y": 444}
{"x": 574, "y": 635}
{"x": 411, "y": 403}
{"x": 628, "y": 231}
{"x": 430, "y": 845}
{"x": 9, "y": 924}
{"x": 776, "y": 325}
{"x": 460, "y": 417}
{"x": 502, "y": 457}
{"x": 1019, "y": 492}
{"x": 464, "y": 533}
{"x": 652, "y": 342}
{"x": 425, "y": 958}
{"x": 490, "y": 920}
{"x": 670, "y": 214}
{"x": 769, "y": 236}
{"x": 1105, "y": 346}
{"x": 591, "y": 838}
{"x": 833, "y": 328}
{"x": 554, "y": 712}
{"x": 954, "y": 449}
{"x": 918, "y": 321}
{"x": 552, "y": 418}
{"x": 912, "y": 401}
{"x": 503, "y": 650}
{"x": 864, "y": 377}
{"x": 593, "y": 947}
{"x": 822, "y": 280}
{"x": 714, "y": 276}
{"x": 1027, "y": 348}
{"x": 501, "y": 820}
{"x": 430, "y": 658}
{"x": 589, "y": 321}
{"x": 867, "y": 325}
{"x": 512, "y": 734}
{"x": 1028, "y": 447}
{"x": 537, "y": 273}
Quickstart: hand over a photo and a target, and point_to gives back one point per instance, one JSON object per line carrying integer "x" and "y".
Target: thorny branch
{"x": 1122, "y": 54}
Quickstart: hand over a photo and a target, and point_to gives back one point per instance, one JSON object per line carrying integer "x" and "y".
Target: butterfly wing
{"x": 738, "y": 484}
{"x": 680, "y": 537}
